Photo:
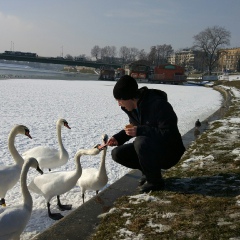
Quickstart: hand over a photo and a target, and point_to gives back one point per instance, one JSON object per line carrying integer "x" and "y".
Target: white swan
{"x": 56, "y": 183}
{"x": 9, "y": 175}
{"x": 95, "y": 179}
{"x": 49, "y": 157}
{"x": 14, "y": 219}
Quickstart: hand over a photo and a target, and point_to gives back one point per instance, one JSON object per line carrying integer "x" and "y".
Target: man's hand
{"x": 131, "y": 131}
{"x": 112, "y": 142}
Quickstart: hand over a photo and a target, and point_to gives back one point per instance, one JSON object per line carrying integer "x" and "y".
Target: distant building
{"x": 229, "y": 59}
{"x": 188, "y": 58}
{"x": 135, "y": 68}
{"x": 171, "y": 59}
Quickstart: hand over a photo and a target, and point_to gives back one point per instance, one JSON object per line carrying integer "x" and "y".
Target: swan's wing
{"x": 51, "y": 183}
{"x": 10, "y": 224}
{"x": 41, "y": 152}
{"x": 41, "y": 184}
{"x": 87, "y": 177}
{"x": 92, "y": 180}
{"x": 9, "y": 175}
{"x": 6, "y": 171}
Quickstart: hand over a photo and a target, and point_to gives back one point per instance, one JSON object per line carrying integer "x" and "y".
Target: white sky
{"x": 49, "y": 26}
{"x": 90, "y": 110}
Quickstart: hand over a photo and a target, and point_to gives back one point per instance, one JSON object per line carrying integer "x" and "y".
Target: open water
{"x": 13, "y": 70}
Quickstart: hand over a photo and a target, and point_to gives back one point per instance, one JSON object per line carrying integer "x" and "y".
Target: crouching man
{"x": 153, "y": 123}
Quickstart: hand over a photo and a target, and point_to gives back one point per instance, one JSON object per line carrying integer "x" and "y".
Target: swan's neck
{"x": 102, "y": 169}
{"x": 59, "y": 137}
{"x": 27, "y": 199}
{"x": 92, "y": 151}
{"x": 16, "y": 156}
{"x": 78, "y": 165}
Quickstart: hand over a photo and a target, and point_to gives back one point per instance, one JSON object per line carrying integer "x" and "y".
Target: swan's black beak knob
{"x": 105, "y": 138}
{"x": 39, "y": 170}
{"x": 101, "y": 147}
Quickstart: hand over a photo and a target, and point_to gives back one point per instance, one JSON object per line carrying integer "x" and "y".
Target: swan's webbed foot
{"x": 2, "y": 202}
{"x": 63, "y": 207}
{"x": 53, "y": 216}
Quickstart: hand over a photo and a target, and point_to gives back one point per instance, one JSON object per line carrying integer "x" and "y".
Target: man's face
{"x": 129, "y": 104}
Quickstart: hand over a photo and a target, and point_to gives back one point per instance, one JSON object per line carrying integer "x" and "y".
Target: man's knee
{"x": 141, "y": 143}
{"x": 115, "y": 154}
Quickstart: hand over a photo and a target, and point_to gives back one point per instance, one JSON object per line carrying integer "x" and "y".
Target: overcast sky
{"x": 50, "y": 27}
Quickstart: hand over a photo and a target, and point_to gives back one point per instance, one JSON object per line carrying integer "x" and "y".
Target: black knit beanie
{"x": 125, "y": 88}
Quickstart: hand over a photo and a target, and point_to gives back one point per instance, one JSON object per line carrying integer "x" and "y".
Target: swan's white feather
{"x": 53, "y": 184}
{"x": 90, "y": 179}
{"x": 14, "y": 219}
{"x": 47, "y": 157}
{"x": 9, "y": 175}
{"x": 50, "y": 157}
{"x": 56, "y": 183}
{"x": 95, "y": 179}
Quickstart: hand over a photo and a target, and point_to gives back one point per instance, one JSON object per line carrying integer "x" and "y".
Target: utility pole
{"x": 12, "y": 46}
{"x": 62, "y": 52}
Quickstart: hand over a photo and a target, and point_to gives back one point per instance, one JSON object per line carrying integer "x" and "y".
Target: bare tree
{"x": 133, "y": 53}
{"x": 163, "y": 52}
{"x": 104, "y": 52}
{"x": 124, "y": 53}
{"x": 113, "y": 51}
{"x": 108, "y": 53}
{"x": 159, "y": 54}
{"x": 95, "y": 52}
{"x": 69, "y": 57}
{"x": 152, "y": 56}
{"x": 210, "y": 41}
{"x": 142, "y": 55}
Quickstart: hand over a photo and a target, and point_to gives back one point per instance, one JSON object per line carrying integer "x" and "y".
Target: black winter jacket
{"x": 155, "y": 119}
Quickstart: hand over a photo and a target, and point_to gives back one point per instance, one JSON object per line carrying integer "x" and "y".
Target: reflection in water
{"x": 196, "y": 133}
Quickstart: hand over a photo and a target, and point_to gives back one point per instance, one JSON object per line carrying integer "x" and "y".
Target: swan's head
{"x": 104, "y": 138}
{"x": 21, "y": 129}
{"x": 63, "y": 122}
{"x": 104, "y": 142}
{"x": 27, "y": 132}
{"x": 34, "y": 164}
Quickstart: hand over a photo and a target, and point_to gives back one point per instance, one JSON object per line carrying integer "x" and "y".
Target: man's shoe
{"x": 147, "y": 187}
{"x": 142, "y": 180}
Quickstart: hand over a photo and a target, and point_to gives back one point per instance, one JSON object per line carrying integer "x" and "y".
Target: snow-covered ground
{"x": 229, "y": 77}
{"x": 90, "y": 110}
